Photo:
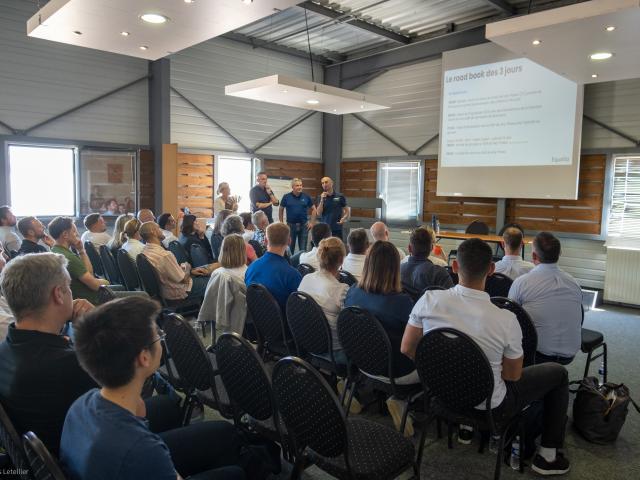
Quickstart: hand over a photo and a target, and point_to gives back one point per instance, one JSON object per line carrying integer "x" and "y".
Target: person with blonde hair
{"x": 131, "y": 239}
{"x": 225, "y": 297}
{"x": 224, "y": 200}
{"x": 380, "y": 292}
{"x": 116, "y": 241}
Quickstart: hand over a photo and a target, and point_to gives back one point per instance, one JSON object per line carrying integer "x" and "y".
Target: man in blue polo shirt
{"x": 332, "y": 207}
{"x": 272, "y": 270}
{"x": 298, "y": 205}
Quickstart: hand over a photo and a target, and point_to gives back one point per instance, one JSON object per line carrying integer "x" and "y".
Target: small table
{"x": 486, "y": 238}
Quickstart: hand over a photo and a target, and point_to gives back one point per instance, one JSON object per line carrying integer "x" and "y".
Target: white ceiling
{"x": 569, "y": 35}
{"x": 101, "y": 22}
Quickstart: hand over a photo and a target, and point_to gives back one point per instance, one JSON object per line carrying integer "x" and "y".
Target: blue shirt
{"x": 101, "y": 440}
{"x": 392, "y": 311}
{"x": 332, "y": 210}
{"x": 296, "y": 207}
{"x": 276, "y": 275}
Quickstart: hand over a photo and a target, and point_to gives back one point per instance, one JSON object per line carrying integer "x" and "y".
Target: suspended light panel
{"x": 294, "y": 92}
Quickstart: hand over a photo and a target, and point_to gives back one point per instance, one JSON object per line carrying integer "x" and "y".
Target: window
{"x": 238, "y": 173}
{"x": 42, "y": 180}
{"x": 107, "y": 182}
{"x": 624, "y": 216}
{"x": 399, "y": 186}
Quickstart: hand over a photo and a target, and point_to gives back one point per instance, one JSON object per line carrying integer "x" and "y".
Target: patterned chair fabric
{"x": 308, "y": 325}
{"x": 10, "y": 440}
{"x": 149, "y": 278}
{"x": 267, "y": 319}
{"x": 257, "y": 247}
{"x": 43, "y": 465}
{"x": 94, "y": 258}
{"x": 128, "y": 270}
{"x": 529, "y": 334}
{"x": 347, "y": 278}
{"x": 295, "y": 259}
{"x": 305, "y": 269}
{"x": 110, "y": 267}
{"x": 179, "y": 252}
{"x": 498, "y": 285}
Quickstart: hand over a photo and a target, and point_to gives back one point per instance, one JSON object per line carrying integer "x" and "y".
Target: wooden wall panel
{"x": 359, "y": 180}
{"x": 459, "y": 211}
{"x": 570, "y": 216}
{"x": 309, "y": 173}
{"x": 146, "y": 182}
{"x": 195, "y": 183}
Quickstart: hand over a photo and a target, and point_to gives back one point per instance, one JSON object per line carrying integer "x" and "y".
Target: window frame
{"x": 613, "y": 242}
{"x": 256, "y": 165}
{"x": 382, "y": 213}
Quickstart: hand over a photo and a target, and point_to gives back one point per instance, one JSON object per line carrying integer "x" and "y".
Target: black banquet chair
{"x": 128, "y": 270}
{"x": 305, "y": 269}
{"x": 257, "y": 247}
{"x": 498, "y": 285}
{"x": 346, "y": 278}
{"x": 94, "y": 258}
{"x": 457, "y": 376}
{"x": 111, "y": 270}
{"x": 199, "y": 256}
{"x": 10, "y": 440}
{"x": 295, "y": 259}
{"x": 529, "y": 334}
{"x": 179, "y": 252}
{"x": 476, "y": 227}
{"x": 43, "y": 465}
{"x": 591, "y": 341}
{"x": 346, "y": 448}
{"x": 273, "y": 339}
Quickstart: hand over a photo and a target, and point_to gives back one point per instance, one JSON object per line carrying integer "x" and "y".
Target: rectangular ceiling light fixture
{"x": 294, "y": 92}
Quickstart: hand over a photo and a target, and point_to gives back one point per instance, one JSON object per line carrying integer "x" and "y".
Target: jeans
{"x": 198, "y": 288}
{"x": 299, "y": 232}
{"x": 207, "y": 450}
{"x": 163, "y": 413}
{"x": 337, "y": 233}
{"x": 549, "y": 383}
{"x": 542, "y": 358}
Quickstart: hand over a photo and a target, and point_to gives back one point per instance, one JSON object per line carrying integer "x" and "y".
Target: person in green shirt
{"x": 83, "y": 282}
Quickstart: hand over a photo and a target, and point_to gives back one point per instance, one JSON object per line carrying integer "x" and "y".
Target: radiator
{"x": 622, "y": 276}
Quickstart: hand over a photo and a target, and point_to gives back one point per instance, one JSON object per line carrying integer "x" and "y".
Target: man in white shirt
{"x": 96, "y": 232}
{"x": 167, "y": 224}
{"x": 512, "y": 265}
{"x": 358, "y": 242}
{"x": 379, "y": 231}
{"x": 319, "y": 232}
{"x": 467, "y": 308}
{"x": 553, "y": 300}
{"x": 8, "y": 237}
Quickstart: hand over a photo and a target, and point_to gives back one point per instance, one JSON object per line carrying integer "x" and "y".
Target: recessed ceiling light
{"x": 285, "y": 91}
{"x": 335, "y": 109}
{"x": 313, "y": 101}
{"x": 189, "y": 1}
{"x": 77, "y": 32}
{"x": 144, "y": 47}
{"x": 536, "y": 42}
{"x": 153, "y": 18}
{"x": 124, "y": 34}
{"x": 601, "y": 55}
{"x": 594, "y": 75}
{"x": 361, "y": 106}
{"x": 247, "y": 2}
{"x": 610, "y": 28}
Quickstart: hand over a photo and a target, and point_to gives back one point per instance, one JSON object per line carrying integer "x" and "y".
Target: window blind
{"x": 399, "y": 186}
{"x": 624, "y": 215}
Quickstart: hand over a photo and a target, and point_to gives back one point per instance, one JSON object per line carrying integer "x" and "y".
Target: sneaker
{"x": 559, "y": 466}
{"x": 465, "y": 435}
{"x": 395, "y": 408}
{"x": 355, "y": 408}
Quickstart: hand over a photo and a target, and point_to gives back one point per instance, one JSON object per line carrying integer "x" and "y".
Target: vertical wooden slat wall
{"x": 309, "y": 173}
{"x": 146, "y": 181}
{"x": 359, "y": 180}
{"x": 196, "y": 186}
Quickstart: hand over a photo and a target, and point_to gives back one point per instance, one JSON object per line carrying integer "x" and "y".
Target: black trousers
{"x": 548, "y": 383}
{"x": 542, "y": 358}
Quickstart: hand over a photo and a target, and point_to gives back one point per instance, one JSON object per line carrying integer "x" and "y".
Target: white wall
{"x": 40, "y": 79}
{"x": 201, "y": 73}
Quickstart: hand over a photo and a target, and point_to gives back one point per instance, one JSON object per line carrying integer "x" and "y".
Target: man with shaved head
{"x": 332, "y": 207}
{"x": 512, "y": 265}
{"x": 146, "y": 215}
{"x": 379, "y": 231}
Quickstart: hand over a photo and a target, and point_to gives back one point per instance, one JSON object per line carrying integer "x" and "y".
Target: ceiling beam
{"x": 503, "y": 6}
{"x": 370, "y": 27}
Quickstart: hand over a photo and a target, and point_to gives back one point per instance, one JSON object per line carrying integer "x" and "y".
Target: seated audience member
{"x": 177, "y": 282}
{"x": 145, "y": 215}
{"x": 380, "y": 292}
{"x": 358, "y": 242}
{"x": 83, "y": 283}
{"x": 466, "y": 307}
{"x": 249, "y": 228}
{"x": 96, "y": 232}
{"x": 104, "y": 436}
{"x": 512, "y": 264}
{"x": 115, "y": 243}
{"x": 167, "y": 224}
{"x": 8, "y": 237}
{"x": 553, "y": 300}
{"x": 379, "y": 231}
{"x": 233, "y": 226}
{"x": 326, "y": 290}
{"x": 216, "y": 234}
{"x": 260, "y": 222}
{"x": 33, "y": 231}
{"x": 39, "y": 373}
{"x": 131, "y": 238}
{"x": 192, "y": 232}
{"x": 225, "y": 298}
{"x": 272, "y": 270}
{"x": 419, "y": 272}
{"x": 319, "y": 232}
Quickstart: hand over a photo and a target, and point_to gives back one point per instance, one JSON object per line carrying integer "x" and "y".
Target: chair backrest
{"x": 111, "y": 269}
{"x": 346, "y": 277}
{"x": 308, "y": 325}
{"x": 10, "y": 440}
{"x": 412, "y": 292}
{"x": 478, "y": 227}
{"x": 452, "y": 274}
{"x": 433, "y": 287}
{"x": 149, "y": 277}
{"x": 43, "y": 465}
{"x": 365, "y": 342}
{"x": 529, "y": 334}
{"x": 498, "y": 285}
{"x": 128, "y": 270}
{"x": 216, "y": 245}
{"x": 257, "y": 247}
{"x": 265, "y": 313}
{"x": 305, "y": 268}
{"x": 309, "y": 408}
{"x": 179, "y": 252}
{"x": 199, "y": 256}
{"x": 454, "y": 369}
{"x": 94, "y": 258}
{"x": 295, "y": 259}
{"x": 244, "y": 376}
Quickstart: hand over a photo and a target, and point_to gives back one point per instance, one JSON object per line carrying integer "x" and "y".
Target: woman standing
{"x": 224, "y": 200}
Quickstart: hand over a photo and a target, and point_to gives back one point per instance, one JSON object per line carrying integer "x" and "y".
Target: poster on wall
{"x": 115, "y": 172}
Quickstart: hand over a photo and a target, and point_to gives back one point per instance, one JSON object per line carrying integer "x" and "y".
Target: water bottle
{"x": 434, "y": 219}
{"x": 437, "y": 230}
{"x": 515, "y": 453}
{"x": 601, "y": 373}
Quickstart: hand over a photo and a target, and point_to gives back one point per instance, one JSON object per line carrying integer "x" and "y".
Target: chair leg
{"x": 604, "y": 359}
{"x": 499, "y": 457}
{"x": 405, "y": 413}
{"x": 449, "y": 435}
{"x": 421, "y": 442}
{"x": 439, "y": 427}
{"x": 352, "y": 391}
{"x": 586, "y": 367}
